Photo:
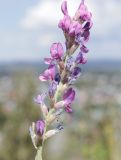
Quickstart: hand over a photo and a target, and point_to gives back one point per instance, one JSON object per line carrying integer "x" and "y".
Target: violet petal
{"x": 69, "y": 96}
{"x": 40, "y": 127}
{"x": 64, "y": 8}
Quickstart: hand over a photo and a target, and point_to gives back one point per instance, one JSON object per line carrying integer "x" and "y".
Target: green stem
{"x": 58, "y": 92}
{"x": 39, "y": 154}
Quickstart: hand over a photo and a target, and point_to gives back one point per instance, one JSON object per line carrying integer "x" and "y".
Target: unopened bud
{"x": 51, "y": 133}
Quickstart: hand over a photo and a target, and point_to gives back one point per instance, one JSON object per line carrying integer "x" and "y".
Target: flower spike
{"x": 62, "y": 71}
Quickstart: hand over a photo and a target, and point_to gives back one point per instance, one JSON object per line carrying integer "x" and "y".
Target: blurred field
{"x": 93, "y": 132}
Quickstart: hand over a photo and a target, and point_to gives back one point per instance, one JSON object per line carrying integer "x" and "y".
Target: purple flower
{"x": 52, "y": 88}
{"x": 40, "y": 98}
{"x": 69, "y": 62}
{"x": 75, "y": 72}
{"x": 48, "y": 74}
{"x": 84, "y": 49}
{"x": 83, "y": 37}
{"x": 81, "y": 58}
{"x": 88, "y": 25}
{"x": 75, "y": 28}
{"x": 65, "y": 23}
{"x": 79, "y": 39}
{"x": 64, "y": 8}
{"x": 48, "y": 60}
{"x": 57, "y": 78}
{"x": 39, "y": 127}
{"x": 86, "y": 35}
{"x": 68, "y": 109}
{"x": 69, "y": 96}
{"x": 82, "y": 13}
{"x": 83, "y": 16}
{"x": 56, "y": 51}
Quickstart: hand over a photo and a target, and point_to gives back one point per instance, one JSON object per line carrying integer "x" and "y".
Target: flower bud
{"x": 39, "y": 127}
{"x": 51, "y": 133}
{"x": 56, "y": 51}
{"x": 36, "y": 138}
{"x": 64, "y": 8}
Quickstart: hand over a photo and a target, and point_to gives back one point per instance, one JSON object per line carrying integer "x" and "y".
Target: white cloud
{"x": 44, "y": 13}
{"x": 45, "y": 40}
{"x": 17, "y": 46}
{"x": 106, "y": 16}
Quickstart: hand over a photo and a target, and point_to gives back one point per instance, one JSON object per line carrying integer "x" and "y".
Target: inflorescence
{"x": 63, "y": 70}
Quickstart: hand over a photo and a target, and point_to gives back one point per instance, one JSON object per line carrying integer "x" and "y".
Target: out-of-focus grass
{"x": 92, "y": 132}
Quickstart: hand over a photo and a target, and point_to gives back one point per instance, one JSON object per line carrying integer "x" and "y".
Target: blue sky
{"x": 28, "y": 28}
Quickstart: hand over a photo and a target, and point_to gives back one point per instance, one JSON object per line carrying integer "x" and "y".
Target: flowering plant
{"x": 63, "y": 70}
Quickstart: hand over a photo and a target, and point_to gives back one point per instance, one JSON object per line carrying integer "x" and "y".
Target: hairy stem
{"x": 39, "y": 153}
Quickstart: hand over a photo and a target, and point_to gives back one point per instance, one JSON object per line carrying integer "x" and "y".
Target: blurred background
{"x": 93, "y": 132}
